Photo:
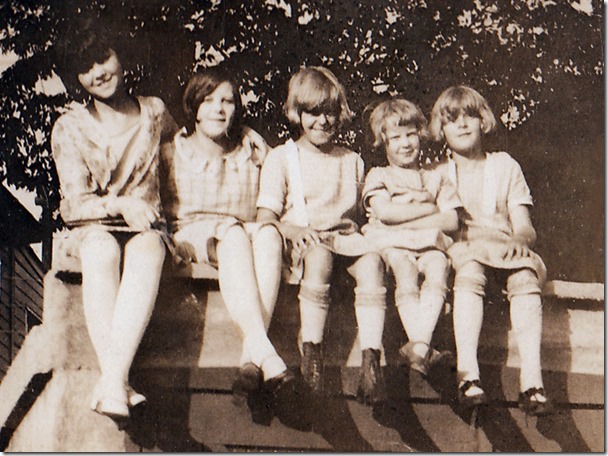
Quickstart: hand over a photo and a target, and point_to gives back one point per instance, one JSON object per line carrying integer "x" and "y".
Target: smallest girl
{"x": 494, "y": 243}
{"x": 410, "y": 209}
{"x": 312, "y": 187}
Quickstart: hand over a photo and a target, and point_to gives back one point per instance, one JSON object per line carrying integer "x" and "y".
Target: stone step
{"x": 207, "y": 341}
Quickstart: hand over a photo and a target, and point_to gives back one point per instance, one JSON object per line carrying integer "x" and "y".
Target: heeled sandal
{"x": 534, "y": 402}
{"x": 471, "y": 400}
{"x": 423, "y": 364}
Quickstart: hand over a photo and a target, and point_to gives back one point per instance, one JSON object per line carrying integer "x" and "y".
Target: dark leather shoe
{"x": 471, "y": 400}
{"x": 287, "y": 401}
{"x": 248, "y": 379}
{"x": 372, "y": 389}
{"x": 284, "y": 380}
{"x": 311, "y": 366}
{"x": 423, "y": 364}
{"x": 534, "y": 402}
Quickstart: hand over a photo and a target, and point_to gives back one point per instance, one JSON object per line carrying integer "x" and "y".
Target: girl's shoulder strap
{"x": 294, "y": 178}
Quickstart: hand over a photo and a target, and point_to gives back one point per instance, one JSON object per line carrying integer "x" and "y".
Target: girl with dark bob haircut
{"x": 203, "y": 84}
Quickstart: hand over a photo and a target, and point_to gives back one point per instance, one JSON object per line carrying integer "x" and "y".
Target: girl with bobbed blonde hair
{"x": 312, "y": 188}
{"x": 494, "y": 242}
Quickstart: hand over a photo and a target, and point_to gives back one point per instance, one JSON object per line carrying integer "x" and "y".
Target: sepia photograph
{"x": 267, "y": 226}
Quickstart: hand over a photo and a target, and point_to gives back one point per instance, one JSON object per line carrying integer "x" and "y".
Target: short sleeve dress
{"x": 487, "y": 229}
{"x": 204, "y": 197}
{"x": 331, "y": 186}
{"x": 94, "y": 168}
{"x": 409, "y": 186}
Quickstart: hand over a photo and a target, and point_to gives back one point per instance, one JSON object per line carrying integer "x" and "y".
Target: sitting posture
{"x": 312, "y": 187}
{"x": 409, "y": 210}
{"x": 106, "y": 153}
{"x": 494, "y": 242}
{"x": 209, "y": 188}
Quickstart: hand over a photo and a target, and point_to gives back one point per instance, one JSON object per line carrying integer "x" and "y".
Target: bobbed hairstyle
{"x": 82, "y": 45}
{"x": 204, "y": 83}
{"x": 396, "y": 112}
{"x": 315, "y": 89}
{"x": 460, "y": 100}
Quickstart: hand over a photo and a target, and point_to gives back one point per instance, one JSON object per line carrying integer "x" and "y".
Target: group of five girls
{"x": 134, "y": 185}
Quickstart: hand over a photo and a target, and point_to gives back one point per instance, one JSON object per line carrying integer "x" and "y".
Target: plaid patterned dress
{"x": 203, "y": 197}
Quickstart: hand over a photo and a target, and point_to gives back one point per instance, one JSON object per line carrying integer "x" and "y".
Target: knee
{"x": 269, "y": 239}
{"x": 235, "y": 234}
{"x": 148, "y": 244}
{"x": 471, "y": 279}
{"x": 523, "y": 282}
{"x": 318, "y": 265}
{"x": 101, "y": 247}
{"x": 369, "y": 271}
{"x": 436, "y": 275}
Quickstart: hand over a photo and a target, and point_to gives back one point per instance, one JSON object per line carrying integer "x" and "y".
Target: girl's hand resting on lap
{"x": 138, "y": 214}
{"x": 303, "y": 238}
{"x": 516, "y": 250}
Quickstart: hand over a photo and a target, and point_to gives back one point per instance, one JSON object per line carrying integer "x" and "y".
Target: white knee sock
{"x": 314, "y": 306}
{"x": 526, "y": 320}
{"x": 468, "y": 316}
{"x": 407, "y": 307}
{"x": 370, "y": 310}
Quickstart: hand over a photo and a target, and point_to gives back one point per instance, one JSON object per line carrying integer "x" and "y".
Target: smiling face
{"x": 463, "y": 133}
{"x": 216, "y": 112}
{"x": 402, "y": 144}
{"x": 318, "y": 128}
{"x": 103, "y": 80}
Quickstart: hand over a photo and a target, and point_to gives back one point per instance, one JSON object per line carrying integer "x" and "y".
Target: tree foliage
{"x": 528, "y": 57}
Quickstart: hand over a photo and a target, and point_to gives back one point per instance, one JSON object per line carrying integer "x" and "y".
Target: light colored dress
{"x": 203, "y": 197}
{"x": 487, "y": 228}
{"x": 331, "y": 186}
{"x": 94, "y": 168}
{"x": 402, "y": 185}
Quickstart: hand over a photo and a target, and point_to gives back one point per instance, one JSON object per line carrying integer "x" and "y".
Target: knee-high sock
{"x": 526, "y": 320}
{"x": 468, "y": 316}
{"x": 370, "y": 310}
{"x": 419, "y": 314}
{"x": 431, "y": 303}
{"x": 314, "y": 306}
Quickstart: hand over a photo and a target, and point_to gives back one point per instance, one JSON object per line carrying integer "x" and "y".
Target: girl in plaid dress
{"x": 209, "y": 189}
{"x": 494, "y": 241}
{"x": 313, "y": 188}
